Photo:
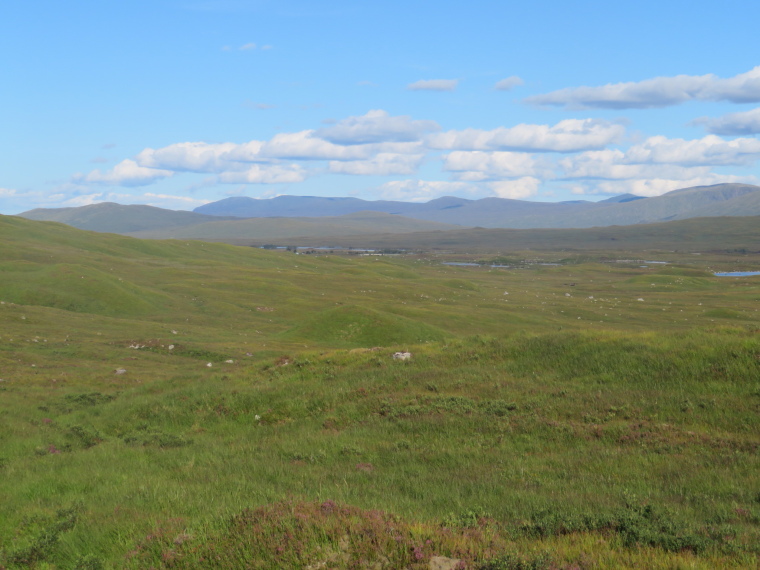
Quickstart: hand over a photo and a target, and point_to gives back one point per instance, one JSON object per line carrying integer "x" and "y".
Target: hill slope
{"x": 118, "y": 218}
{"x": 700, "y": 201}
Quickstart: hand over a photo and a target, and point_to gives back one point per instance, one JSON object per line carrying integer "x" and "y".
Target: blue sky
{"x": 176, "y": 103}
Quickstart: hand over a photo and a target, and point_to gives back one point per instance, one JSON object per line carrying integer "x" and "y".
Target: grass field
{"x": 192, "y": 405}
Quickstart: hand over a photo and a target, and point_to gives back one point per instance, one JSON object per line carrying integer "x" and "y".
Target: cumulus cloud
{"x": 516, "y": 189}
{"x": 264, "y": 174}
{"x": 743, "y": 123}
{"x": 201, "y": 157}
{"x": 383, "y": 164}
{"x": 376, "y": 126}
{"x": 475, "y": 166}
{"x": 570, "y": 135}
{"x": 372, "y": 144}
{"x": 656, "y": 186}
{"x": 422, "y": 190}
{"x": 158, "y": 199}
{"x": 304, "y": 145}
{"x": 659, "y": 165}
{"x": 657, "y": 92}
{"x": 614, "y": 165}
{"x": 507, "y": 161}
{"x": 508, "y": 83}
{"x": 433, "y": 85}
{"x": 83, "y": 200}
{"x": 126, "y": 173}
{"x": 710, "y": 150}
{"x": 7, "y": 192}
{"x": 661, "y": 157}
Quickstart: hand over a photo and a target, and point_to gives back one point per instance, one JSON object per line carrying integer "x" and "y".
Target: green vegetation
{"x": 240, "y": 407}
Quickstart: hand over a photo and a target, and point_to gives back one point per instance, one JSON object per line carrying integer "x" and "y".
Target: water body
{"x": 737, "y": 273}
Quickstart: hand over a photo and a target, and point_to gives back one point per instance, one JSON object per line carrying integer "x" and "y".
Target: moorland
{"x": 185, "y": 404}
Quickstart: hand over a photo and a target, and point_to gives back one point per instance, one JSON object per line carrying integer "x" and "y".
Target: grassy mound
{"x": 356, "y": 326}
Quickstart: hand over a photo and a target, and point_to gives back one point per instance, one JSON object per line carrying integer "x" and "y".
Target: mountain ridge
{"x": 493, "y": 212}
{"x": 332, "y": 216}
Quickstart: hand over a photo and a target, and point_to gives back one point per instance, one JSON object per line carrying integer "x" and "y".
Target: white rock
{"x": 443, "y": 563}
{"x": 209, "y": 365}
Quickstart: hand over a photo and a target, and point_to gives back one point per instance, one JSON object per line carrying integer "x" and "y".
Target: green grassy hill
{"x": 172, "y": 404}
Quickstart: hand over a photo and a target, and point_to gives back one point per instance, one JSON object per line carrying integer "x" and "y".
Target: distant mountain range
{"x": 269, "y": 229}
{"x": 287, "y": 217}
{"x": 701, "y": 201}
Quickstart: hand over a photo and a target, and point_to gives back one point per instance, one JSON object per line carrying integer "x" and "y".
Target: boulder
{"x": 443, "y": 563}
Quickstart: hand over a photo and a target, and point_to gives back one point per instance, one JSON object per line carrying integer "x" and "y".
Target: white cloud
{"x": 126, "y": 173}
{"x": 7, "y": 192}
{"x": 246, "y": 47}
{"x": 659, "y": 165}
{"x": 161, "y": 200}
{"x": 433, "y": 85}
{"x": 376, "y": 126}
{"x": 570, "y": 135}
{"x": 516, "y": 189}
{"x": 304, "y": 145}
{"x": 383, "y": 164}
{"x": 372, "y": 144}
{"x": 657, "y": 92}
{"x": 656, "y": 186}
{"x": 263, "y": 174}
{"x": 743, "y": 123}
{"x": 710, "y": 150}
{"x": 474, "y": 166}
{"x": 83, "y": 200}
{"x": 422, "y": 190}
{"x": 614, "y": 165}
{"x": 200, "y": 156}
{"x": 663, "y": 159}
{"x": 508, "y": 83}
